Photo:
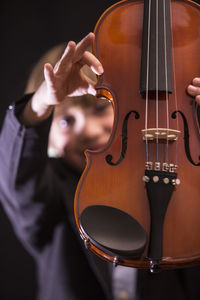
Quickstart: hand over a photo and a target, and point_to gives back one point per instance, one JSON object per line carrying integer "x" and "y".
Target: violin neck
{"x": 156, "y": 67}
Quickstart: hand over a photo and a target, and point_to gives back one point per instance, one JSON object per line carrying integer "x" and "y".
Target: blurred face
{"x": 79, "y": 125}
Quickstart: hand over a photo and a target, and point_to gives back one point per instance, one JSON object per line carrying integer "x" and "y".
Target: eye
{"x": 66, "y": 122}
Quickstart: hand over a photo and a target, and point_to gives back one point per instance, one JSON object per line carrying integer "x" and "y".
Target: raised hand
{"x": 67, "y": 78}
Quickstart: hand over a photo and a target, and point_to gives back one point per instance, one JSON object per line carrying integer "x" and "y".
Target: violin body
{"x": 114, "y": 198}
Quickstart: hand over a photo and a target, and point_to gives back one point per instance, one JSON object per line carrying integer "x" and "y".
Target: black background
{"x": 28, "y": 29}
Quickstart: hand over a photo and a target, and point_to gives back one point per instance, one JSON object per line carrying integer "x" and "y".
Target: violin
{"x": 137, "y": 203}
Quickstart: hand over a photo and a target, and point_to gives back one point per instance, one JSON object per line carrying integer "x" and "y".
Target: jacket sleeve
{"x": 23, "y": 161}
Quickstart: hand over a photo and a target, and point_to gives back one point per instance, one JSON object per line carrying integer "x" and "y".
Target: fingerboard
{"x": 156, "y": 69}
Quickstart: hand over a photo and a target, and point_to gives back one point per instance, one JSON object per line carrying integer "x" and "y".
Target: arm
{"x": 23, "y": 160}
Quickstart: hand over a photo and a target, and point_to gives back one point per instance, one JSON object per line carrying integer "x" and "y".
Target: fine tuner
{"x": 165, "y": 167}
{"x": 157, "y": 166}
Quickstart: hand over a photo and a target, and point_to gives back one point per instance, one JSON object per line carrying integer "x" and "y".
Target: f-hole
{"x": 109, "y": 157}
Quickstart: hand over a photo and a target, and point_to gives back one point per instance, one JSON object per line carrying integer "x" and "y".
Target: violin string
{"x": 157, "y": 65}
{"x": 147, "y": 81}
{"x": 166, "y": 82}
{"x": 175, "y": 84}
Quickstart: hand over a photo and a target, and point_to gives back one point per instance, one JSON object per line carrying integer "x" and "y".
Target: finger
{"x": 91, "y": 60}
{"x": 196, "y": 81}
{"x": 66, "y": 60}
{"x": 83, "y": 45}
{"x": 193, "y": 90}
{"x": 48, "y": 74}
